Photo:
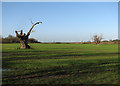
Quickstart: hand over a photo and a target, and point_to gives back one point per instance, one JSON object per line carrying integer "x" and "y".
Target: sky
{"x": 62, "y": 21}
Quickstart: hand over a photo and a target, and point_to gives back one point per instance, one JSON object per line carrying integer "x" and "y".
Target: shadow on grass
{"x": 25, "y": 56}
{"x": 82, "y": 70}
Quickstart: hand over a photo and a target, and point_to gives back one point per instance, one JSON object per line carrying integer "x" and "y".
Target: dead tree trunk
{"x": 23, "y": 38}
{"x": 97, "y": 39}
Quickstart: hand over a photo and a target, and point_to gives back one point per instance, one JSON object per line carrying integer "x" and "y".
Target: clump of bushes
{"x": 12, "y": 39}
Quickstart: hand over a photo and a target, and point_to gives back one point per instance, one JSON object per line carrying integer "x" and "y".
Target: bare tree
{"x": 97, "y": 39}
{"x": 24, "y": 38}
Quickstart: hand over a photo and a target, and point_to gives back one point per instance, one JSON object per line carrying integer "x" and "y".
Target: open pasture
{"x": 60, "y": 64}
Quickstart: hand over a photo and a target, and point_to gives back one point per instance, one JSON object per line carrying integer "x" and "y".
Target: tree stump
{"x": 23, "y": 38}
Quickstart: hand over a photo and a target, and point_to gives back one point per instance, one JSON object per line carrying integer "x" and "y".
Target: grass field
{"x": 60, "y": 64}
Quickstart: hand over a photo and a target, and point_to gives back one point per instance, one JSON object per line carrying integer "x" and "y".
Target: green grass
{"x": 60, "y": 64}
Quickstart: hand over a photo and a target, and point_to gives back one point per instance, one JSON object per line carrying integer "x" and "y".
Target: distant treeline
{"x": 102, "y": 42}
{"x": 12, "y": 39}
{"x": 88, "y": 42}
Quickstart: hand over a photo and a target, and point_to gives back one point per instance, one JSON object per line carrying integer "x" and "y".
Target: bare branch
{"x": 32, "y": 22}
{"x": 21, "y": 32}
{"x": 32, "y": 28}
{"x": 16, "y": 33}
